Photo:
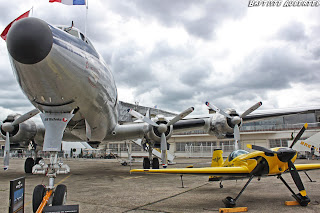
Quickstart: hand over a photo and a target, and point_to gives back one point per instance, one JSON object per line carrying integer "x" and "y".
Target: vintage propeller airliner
{"x": 241, "y": 164}
{"x": 73, "y": 89}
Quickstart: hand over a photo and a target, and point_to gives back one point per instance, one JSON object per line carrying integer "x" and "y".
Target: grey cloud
{"x": 294, "y": 31}
{"x": 263, "y": 71}
{"x": 195, "y": 75}
{"x": 179, "y": 13}
{"x": 276, "y": 68}
{"x": 130, "y": 66}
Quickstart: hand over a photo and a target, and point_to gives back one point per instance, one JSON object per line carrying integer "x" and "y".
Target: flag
{"x": 6, "y": 30}
{"x": 70, "y": 2}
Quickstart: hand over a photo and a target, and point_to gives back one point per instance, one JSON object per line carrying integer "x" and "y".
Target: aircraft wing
{"x": 194, "y": 122}
{"x": 265, "y": 114}
{"x": 305, "y": 167}
{"x": 215, "y": 171}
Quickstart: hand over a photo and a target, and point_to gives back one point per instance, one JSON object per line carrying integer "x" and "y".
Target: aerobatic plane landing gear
{"x": 229, "y": 202}
{"x": 55, "y": 124}
{"x": 302, "y": 200}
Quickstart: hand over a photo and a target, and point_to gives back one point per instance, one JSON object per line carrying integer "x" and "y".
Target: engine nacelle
{"x": 22, "y": 133}
{"x": 221, "y": 126}
{"x": 154, "y": 135}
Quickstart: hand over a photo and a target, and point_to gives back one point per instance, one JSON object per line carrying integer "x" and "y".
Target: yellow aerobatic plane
{"x": 242, "y": 164}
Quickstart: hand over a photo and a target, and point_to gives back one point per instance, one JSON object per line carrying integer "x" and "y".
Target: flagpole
{"x": 85, "y": 25}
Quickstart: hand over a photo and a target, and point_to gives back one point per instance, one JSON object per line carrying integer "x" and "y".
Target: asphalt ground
{"x": 106, "y": 186}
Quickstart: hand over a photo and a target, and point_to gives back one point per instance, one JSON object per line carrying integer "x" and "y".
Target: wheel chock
{"x": 292, "y": 203}
{"x": 236, "y": 209}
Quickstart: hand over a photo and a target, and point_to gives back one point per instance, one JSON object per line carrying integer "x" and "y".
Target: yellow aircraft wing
{"x": 302, "y": 167}
{"x": 216, "y": 171}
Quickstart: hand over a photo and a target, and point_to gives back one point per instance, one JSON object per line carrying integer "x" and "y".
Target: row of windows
{"x": 278, "y": 143}
{"x": 181, "y": 147}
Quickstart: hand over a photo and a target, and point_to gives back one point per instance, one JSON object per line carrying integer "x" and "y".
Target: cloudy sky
{"x": 181, "y": 53}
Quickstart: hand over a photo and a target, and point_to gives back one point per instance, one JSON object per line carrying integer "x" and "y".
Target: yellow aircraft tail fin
{"x": 217, "y": 159}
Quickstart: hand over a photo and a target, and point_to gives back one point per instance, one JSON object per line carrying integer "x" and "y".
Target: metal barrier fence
{"x": 206, "y": 151}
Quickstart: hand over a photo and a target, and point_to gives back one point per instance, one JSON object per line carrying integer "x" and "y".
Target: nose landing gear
{"x": 55, "y": 124}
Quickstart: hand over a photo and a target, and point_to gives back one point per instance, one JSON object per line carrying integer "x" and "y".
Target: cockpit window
{"x": 86, "y": 40}
{"x": 236, "y": 153}
{"x": 72, "y": 32}
{"x": 82, "y": 37}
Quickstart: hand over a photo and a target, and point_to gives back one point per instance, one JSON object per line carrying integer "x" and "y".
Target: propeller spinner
{"x": 285, "y": 155}
{"x": 8, "y": 128}
{"x": 162, "y": 129}
{"x": 235, "y": 120}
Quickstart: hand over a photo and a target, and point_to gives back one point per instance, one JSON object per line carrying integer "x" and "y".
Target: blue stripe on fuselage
{"x": 72, "y": 40}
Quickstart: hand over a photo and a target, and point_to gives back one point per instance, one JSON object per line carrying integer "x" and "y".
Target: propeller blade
{"x": 163, "y": 145}
{"x": 260, "y": 148}
{"x": 164, "y": 150}
{"x": 305, "y": 126}
{"x": 236, "y": 145}
{"x": 26, "y": 116}
{"x": 148, "y": 114}
{"x": 251, "y": 109}
{"x": 181, "y": 116}
{"x": 141, "y": 117}
{"x": 296, "y": 178}
{"x": 88, "y": 130}
{"x": 216, "y": 109}
{"x": 6, "y": 152}
{"x": 236, "y": 132}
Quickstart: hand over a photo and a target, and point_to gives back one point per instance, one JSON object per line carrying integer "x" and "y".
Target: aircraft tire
{"x": 37, "y": 160}
{"x": 37, "y": 196}
{"x": 155, "y": 163}
{"x": 146, "y": 163}
{"x": 60, "y": 195}
{"x": 29, "y": 163}
{"x": 229, "y": 202}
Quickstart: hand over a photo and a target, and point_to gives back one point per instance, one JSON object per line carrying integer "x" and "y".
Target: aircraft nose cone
{"x": 29, "y": 40}
{"x": 286, "y": 154}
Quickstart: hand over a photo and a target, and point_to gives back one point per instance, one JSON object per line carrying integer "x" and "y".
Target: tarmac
{"x": 102, "y": 185}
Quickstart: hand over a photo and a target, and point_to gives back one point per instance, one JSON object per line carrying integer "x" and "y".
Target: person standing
{"x": 312, "y": 152}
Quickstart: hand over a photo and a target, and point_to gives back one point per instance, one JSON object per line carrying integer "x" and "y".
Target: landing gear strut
{"x": 55, "y": 124}
{"x": 229, "y": 202}
{"x": 302, "y": 200}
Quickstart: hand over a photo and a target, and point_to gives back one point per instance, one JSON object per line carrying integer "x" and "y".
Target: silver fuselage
{"x": 73, "y": 75}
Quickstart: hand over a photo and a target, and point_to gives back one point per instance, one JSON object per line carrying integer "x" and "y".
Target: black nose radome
{"x": 29, "y": 40}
